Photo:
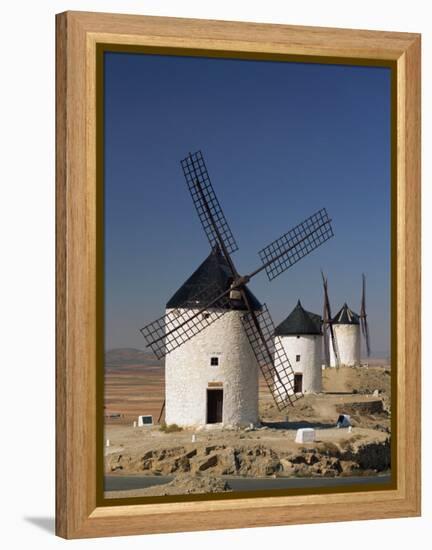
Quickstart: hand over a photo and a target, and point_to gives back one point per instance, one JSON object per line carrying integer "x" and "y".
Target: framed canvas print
{"x": 238, "y": 274}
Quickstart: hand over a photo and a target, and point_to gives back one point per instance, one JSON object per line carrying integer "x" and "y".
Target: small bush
{"x": 169, "y": 428}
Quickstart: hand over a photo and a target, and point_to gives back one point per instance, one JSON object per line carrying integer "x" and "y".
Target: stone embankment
{"x": 320, "y": 459}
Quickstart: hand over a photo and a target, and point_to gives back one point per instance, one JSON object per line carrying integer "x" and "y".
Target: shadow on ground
{"x": 46, "y": 524}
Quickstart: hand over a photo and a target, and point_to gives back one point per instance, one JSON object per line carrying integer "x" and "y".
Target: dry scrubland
{"x": 270, "y": 450}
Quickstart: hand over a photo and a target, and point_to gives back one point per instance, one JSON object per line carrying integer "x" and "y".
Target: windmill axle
{"x": 239, "y": 282}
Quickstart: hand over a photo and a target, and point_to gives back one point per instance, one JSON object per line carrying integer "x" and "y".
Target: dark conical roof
{"x": 345, "y": 316}
{"x": 214, "y": 272}
{"x": 299, "y": 321}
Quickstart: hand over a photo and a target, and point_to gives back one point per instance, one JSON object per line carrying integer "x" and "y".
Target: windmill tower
{"x": 301, "y": 337}
{"x": 346, "y": 327}
{"x": 215, "y": 333}
{"x": 213, "y": 377}
{"x": 343, "y": 346}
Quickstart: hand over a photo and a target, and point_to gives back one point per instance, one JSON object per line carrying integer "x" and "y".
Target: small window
{"x": 297, "y": 358}
{"x": 214, "y": 361}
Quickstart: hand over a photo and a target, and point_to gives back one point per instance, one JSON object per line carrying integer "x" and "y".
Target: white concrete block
{"x": 145, "y": 420}
{"x": 305, "y": 435}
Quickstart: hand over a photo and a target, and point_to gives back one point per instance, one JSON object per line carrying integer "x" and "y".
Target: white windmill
{"x": 342, "y": 348}
{"x": 301, "y": 336}
{"x": 215, "y": 331}
{"x": 213, "y": 377}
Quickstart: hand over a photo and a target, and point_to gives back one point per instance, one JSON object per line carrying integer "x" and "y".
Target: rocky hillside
{"x": 349, "y": 457}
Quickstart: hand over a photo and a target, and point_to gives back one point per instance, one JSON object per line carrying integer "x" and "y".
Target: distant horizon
{"x": 377, "y": 355}
{"x": 281, "y": 140}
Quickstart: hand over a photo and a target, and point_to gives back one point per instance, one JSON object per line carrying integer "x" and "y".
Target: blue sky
{"x": 280, "y": 140}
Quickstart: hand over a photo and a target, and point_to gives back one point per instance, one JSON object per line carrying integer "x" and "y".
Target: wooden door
{"x": 298, "y": 383}
{"x": 214, "y": 406}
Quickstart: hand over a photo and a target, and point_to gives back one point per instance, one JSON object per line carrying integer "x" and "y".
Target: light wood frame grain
{"x": 78, "y": 34}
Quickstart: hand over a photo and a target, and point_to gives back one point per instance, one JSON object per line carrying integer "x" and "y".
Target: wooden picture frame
{"x": 79, "y": 35}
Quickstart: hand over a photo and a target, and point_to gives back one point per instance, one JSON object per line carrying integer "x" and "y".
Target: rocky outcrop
{"x": 326, "y": 459}
{"x": 374, "y": 456}
{"x": 187, "y": 484}
{"x": 207, "y": 463}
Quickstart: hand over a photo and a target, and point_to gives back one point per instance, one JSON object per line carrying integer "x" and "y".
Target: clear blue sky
{"x": 281, "y": 140}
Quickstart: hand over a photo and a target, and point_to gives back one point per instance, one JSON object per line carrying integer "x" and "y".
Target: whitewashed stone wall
{"x": 188, "y": 373}
{"x": 309, "y": 347}
{"x": 348, "y": 345}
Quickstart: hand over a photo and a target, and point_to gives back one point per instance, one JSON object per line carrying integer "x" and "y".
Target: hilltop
{"x": 120, "y": 357}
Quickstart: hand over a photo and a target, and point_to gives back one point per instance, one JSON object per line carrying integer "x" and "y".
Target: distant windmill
{"x": 343, "y": 330}
{"x": 217, "y": 290}
{"x": 363, "y": 316}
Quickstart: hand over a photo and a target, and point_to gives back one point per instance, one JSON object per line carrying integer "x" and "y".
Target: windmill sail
{"x": 271, "y": 357}
{"x": 328, "y": 327}
{"x": 326, "y": 316}
{"x": 284, "y": 252}
{"x": 363, "y": 316}
{"x": 206, "y": 203}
